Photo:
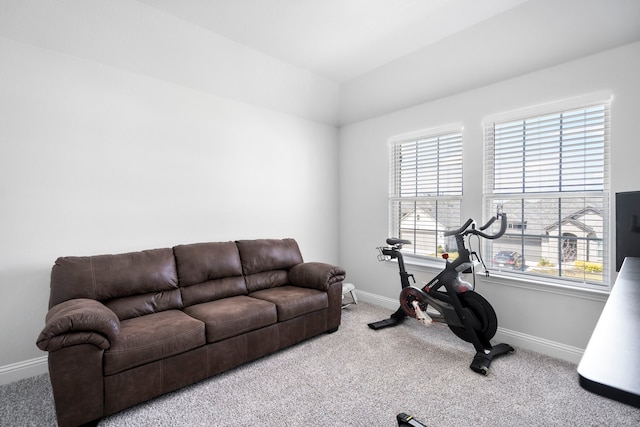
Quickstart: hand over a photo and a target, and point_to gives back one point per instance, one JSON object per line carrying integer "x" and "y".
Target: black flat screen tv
{"x": 627, "y": 226}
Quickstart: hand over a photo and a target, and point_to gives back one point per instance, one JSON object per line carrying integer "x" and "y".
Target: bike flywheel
{"x": 483, "y": 312}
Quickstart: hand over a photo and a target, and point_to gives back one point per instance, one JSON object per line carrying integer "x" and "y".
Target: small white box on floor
{"x": 349, "y": 288}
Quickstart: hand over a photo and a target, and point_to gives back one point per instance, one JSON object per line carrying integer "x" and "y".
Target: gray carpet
{"x": 361, "y": 377}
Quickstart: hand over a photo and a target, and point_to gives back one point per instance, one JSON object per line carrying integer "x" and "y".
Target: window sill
{"x": 531, "y": 283}
{"x": 434, "y": 266}
{"x": 427, "y": 264}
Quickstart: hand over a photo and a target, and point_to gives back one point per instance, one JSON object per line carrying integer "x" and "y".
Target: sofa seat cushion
{"x": 152, "y": 337}
{"x": 233, "y": 316}
{"x": 293, "y": 301}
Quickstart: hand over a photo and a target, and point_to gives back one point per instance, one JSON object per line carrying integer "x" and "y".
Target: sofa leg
{"x": 93, "y": 423}
{"x": 332, "y": 330}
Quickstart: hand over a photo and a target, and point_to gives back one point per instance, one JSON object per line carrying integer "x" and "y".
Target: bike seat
{"x": 394, "y": 241}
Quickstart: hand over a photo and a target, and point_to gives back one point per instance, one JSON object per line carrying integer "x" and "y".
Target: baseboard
{"x": 390, "y": 303}
{"x": 514, "y": 338}
{"x": 540, "y": 345}
{"x": 21, "y": 370}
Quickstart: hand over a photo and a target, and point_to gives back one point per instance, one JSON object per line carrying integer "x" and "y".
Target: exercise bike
{"x": 467, "y": 313}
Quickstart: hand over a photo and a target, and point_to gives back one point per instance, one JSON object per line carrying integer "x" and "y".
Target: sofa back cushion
{"x": 209, "y": 271}
{"x": 266, "y": 262}
{"x": 130, "y": 284}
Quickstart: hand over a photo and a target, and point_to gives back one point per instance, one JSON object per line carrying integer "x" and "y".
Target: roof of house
{"x": 574, "y": 219}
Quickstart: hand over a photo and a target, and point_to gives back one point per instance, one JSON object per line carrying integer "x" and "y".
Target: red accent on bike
{"x": 445, "y": 256}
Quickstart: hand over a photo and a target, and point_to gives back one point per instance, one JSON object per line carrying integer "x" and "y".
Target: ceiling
{"x": 337, "y": 39}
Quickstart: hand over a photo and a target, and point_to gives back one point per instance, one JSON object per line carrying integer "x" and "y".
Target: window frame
{"x": 440, "y": 200}
{"x": 490, "y": 196}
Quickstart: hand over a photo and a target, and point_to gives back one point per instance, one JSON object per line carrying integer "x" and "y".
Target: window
{"x": 426, "y": 188}
{"x": 549, "y": 173}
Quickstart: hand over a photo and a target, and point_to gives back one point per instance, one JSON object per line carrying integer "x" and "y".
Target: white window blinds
{"x": 560, "y": 152}
{"x": 430, "y": 166}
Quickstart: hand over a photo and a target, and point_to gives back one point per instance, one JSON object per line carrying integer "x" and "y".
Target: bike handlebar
{"x": 459, "y": 230}
{"x": 463, "y": 230}
{"x": 488, "y": 224}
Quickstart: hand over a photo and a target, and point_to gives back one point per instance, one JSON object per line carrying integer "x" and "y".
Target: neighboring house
{"x": 579, "y": 236}
{"x": 425, "y": 240}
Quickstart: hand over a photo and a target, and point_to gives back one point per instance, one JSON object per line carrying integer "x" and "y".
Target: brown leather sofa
{"x": 126, "y": 328}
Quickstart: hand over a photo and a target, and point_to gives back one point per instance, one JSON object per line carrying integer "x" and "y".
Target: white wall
{"x": 96, "y": 159}
{"x": 558, "y": 322}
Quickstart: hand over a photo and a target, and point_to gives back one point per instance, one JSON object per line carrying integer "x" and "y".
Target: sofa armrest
{"x": 315, "y": 275}
{"x": 78, "y": 321}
